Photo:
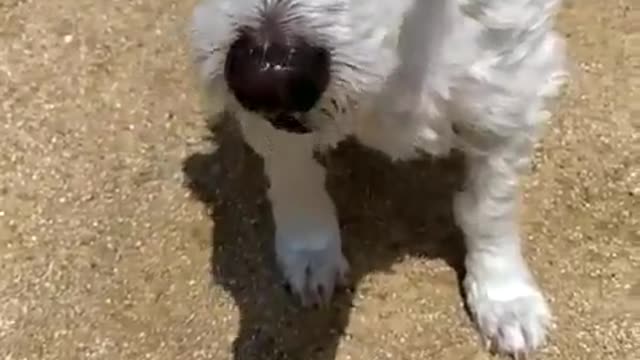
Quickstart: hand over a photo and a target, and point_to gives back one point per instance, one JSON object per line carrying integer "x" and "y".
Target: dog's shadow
{"x": 386, "y": 211}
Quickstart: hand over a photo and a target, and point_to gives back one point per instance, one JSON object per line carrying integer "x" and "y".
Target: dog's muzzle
{"x": 270, "y": 72}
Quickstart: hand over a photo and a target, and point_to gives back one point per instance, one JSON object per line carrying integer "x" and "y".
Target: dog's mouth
{"x": 290, "y": 123}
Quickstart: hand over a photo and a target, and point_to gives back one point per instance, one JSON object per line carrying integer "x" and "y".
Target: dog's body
{"x": 403, "y": 77}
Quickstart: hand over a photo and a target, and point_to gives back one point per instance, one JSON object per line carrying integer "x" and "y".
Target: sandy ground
{"x": 124, "y": 234}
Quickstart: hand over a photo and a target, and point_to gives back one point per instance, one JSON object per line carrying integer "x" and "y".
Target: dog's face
{"x": 296, "y": 63}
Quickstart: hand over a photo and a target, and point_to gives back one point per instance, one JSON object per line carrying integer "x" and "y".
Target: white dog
{"x": 404, "y": 77}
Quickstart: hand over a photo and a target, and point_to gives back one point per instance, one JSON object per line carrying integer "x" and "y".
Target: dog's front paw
{"x": 313, "y": 266}
{"x": 510, "y": 312}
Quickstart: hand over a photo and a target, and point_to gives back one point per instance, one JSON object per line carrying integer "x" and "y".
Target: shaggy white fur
{"x": 409, "y": 76}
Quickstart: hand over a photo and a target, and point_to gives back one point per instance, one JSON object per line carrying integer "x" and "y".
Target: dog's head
{"x": 295, "y": 63}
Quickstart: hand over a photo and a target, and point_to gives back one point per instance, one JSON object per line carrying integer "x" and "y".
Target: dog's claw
{"x": 492, "y": 347}
{"x": 487, "y": 344}
{"x": 287, "y": 288}
{"x": 520, "y": 356}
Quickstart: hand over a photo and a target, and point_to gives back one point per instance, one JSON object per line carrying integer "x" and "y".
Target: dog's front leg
{"x": 507, "y": 305}
{"x": 307, "y": 235}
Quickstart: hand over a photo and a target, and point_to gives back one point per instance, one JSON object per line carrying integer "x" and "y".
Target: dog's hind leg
{"x": 308, "y": 245}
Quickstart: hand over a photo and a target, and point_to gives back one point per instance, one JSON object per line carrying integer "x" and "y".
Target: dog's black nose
{"x": 271, "y": 72}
